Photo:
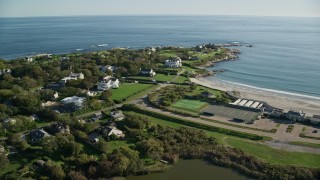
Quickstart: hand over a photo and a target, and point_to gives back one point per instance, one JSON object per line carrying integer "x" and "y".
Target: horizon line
{"x": 288, "y": 16}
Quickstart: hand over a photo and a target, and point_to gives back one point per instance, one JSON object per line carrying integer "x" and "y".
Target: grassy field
{"x": 112, "y": 145}
{"x": 190, "y": 105}
{"x": 168, "y": 53}
{"x": 200, "y": 89}
{"x": 158, "y": 77}
{"x": 276, "y": 156}
{"x": 181, "y": 79}
{"x": 261, "y": 151}
{"x": 128, "y": 89}
{"x": 305, "y": 144}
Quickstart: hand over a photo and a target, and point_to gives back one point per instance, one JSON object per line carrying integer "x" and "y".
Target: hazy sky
{"x": 9, "y": 8}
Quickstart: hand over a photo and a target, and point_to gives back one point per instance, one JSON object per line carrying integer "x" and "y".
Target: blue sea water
{"x": 285, "y": 56}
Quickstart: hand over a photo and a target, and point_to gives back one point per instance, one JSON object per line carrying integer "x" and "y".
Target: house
{"x": 75, "y": 101}
{"x": 29, "y": 59}
{"x": 276, "y": 112}
{"x": 55, "y": 95}
{"x": 117, "y": 115}
{"x": 64, "y": 58}
{"x": 37, "y": 135}
{"x": 9, "y": 122}
{"x": 111, "y": 130}
{"x": 72, "y": 76}
{"x": 97, "y": 116}
{"x": 34, "y": 117}
{"x": 58, "y": 128}
{"x": 94, "y": 137}
{"x": 39, "y": 163}
{"x": 295, "y": 115}
{"x": 106, "y": 78}
{"x": 5, "y": 71}
{"x": 91, "y": 93}
{"x": 2, "y": 149}
{"x": 106, "y": 85}
{"x": 207, "y": 95}
{"x": 315, "y": 119}
{"x": 147, "y": 72}
{"x": 173, "y": 63}
{"x": 105, "y": 68}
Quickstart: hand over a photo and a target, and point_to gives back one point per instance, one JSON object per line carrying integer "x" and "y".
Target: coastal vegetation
{"x": 43, "y": 138}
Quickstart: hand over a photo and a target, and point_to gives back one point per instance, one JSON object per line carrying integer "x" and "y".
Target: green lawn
{"x": 168, "y": 53}
{"x": 200, "y": 89}
{"x": 181, "y": 79}
{"x": 112, "y": 145}
{"x": 305, "y": 144}
{"x": 158, "y": 77}
{"x": 128, "y": 89}
{"x": 276, "y": 156}
{"x": 190, "y": 105}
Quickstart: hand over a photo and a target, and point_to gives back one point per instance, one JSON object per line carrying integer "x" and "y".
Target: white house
{"x": 72, "y": 76}
{"x": 147, "y": 72}
{"x": 29, "y": 59}
{"x": 109, "y": 130}
{"x": 295, "y": 116}
{"x": 106, "y": 85}
{"x": 173, "y": 63}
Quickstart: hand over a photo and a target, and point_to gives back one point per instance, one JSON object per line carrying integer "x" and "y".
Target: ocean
{"x": 285, "y": 56}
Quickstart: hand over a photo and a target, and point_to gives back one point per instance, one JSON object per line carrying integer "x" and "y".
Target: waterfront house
{"x": 147, "y": 72}
{"x": 173, "y": 63}
{"x": 295, "y": 116}
{"x": 29, "y": 59}
{"x": 117, "y": 115}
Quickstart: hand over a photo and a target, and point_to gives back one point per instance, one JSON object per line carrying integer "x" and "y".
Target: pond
{"x": 193, "y": 170}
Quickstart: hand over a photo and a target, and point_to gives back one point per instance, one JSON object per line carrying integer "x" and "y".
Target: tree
{"x": 75, "y": 175}
{"x": 55, "y": 171}
{"x": 27, "y": 104}
{"x": 3, "y": 159}
{"x": 106, "y": 95}
{"x": 47, "y": 95}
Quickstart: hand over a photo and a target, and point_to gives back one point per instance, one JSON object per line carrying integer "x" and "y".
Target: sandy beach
{"x": 309, "y": 105}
